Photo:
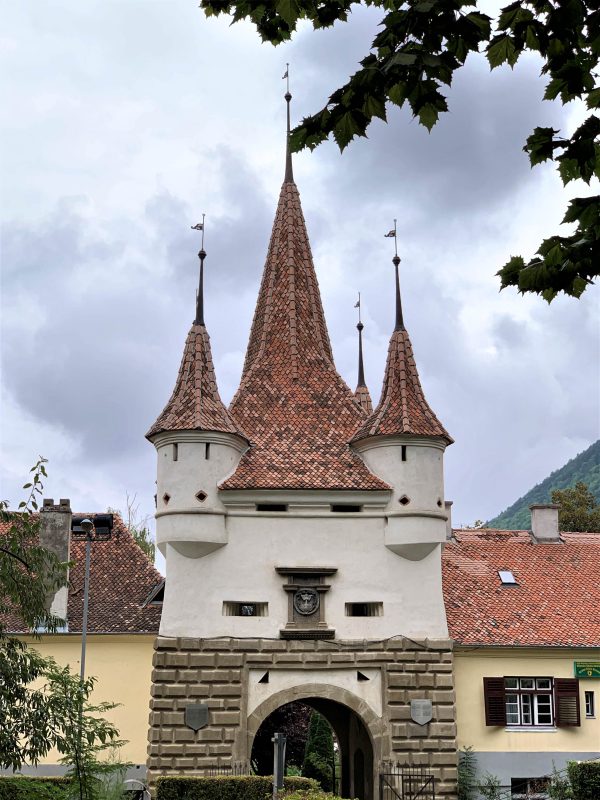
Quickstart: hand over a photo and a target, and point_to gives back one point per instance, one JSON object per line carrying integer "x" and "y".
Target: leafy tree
{"x": 29, "y": 576}
{"x": 291, "y": 720}
{"x": 467, "y": 773}
{"x": 319, "y": 757}
{"x": 55, "y": 711}
{"x": 80, "y": 735}
{"x": 578, "y": 509}
{"x": 138, "y": 527}
{"x": 419, "y": 47}
{"x": 490, "y": 787}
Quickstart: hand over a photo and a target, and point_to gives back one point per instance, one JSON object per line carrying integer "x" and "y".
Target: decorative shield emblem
{"x": 421, "y": 711}
{"x": 306, "y": 601}
{"x": 196, "y": 716}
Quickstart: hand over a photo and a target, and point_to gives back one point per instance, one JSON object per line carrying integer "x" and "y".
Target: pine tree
{"x": 318, "y": 757}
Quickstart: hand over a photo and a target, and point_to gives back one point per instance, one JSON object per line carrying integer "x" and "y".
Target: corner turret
{"x": 403, "y": 443}
{"x": 198, "y": 444}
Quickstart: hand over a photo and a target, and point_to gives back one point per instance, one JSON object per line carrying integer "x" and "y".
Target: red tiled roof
{"x": 292, "y": 405}
{"x": 402, "y": 408}
{"x": 556, "y": 602}
{"x": 195, "y": 403}
{"x": 363, "y": 398}
{"x": 121, "y": 579}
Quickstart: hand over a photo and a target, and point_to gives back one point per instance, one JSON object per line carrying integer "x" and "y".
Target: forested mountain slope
{"x": 585, "y": 467}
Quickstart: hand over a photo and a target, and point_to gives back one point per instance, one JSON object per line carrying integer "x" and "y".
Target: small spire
{"x": 289, "y": 174}
{"x": 200, "y": 293}
{"x": 396, "y": 262}
{"x": 359, "y": 328}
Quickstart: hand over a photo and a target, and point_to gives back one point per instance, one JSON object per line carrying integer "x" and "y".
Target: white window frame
{"x": 527, "y": 699}
{"x": 590, "y": 704}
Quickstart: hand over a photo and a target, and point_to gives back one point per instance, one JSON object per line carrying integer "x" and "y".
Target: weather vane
{"x": 392, "y": 235}
{"x": 200, "y": 227}
{"x": 286, "y": 77}
{"x": 200, "y": 293}
{"x": 357, "y": 305}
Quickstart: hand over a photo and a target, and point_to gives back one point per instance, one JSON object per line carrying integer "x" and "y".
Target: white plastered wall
{"x": 244, "y": 571}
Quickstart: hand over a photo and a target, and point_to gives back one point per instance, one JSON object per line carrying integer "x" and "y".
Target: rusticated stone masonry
{"x": 216, "y": 672}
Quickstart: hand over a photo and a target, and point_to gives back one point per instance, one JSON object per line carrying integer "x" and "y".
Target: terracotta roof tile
{"x": 363, "y": 398}
{"x": 402, "y": 408}
{"x": 121, "y": 579}
{"x": 292, "y": 405}
{"x": 195, "y": 403}
{"x": 556, "y": 600}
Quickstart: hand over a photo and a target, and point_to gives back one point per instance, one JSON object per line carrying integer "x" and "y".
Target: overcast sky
{"x": 124, "y": 120}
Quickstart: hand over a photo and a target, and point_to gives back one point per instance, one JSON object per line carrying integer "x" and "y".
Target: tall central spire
{"x": 292, "y": 405}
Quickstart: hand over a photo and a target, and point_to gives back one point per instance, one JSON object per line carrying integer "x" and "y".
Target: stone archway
{"x": 357, "y": 729}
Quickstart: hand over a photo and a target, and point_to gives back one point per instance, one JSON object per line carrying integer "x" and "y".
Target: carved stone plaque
{"x": 306, "y": 600}
{"x": 421, "y": 711}
{"x": 196, "y": 716}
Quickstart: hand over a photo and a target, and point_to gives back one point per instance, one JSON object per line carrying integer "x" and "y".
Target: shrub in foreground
{"x": 237, "y": 787}
{"x": 18, "y": 787}
{"x": 585, "y": 780}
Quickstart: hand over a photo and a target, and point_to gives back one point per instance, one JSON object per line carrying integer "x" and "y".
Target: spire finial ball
{"x": 396, "y": 260}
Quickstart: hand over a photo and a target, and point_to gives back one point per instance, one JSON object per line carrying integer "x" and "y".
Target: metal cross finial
{"x": 200, "y": 293}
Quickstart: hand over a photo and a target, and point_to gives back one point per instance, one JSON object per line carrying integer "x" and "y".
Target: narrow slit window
{"x": 345, "y": 508}
{"x": 207, "y": 451}
{"x": 364, "y": 609}
{"x": 175, "y": 452}
{"x": 243, "y": 608}
{"x": 271, "y": 507}
{"x": 403, "y": 452}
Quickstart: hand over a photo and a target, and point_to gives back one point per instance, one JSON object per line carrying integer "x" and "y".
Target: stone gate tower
{"x": 303, "y": 536}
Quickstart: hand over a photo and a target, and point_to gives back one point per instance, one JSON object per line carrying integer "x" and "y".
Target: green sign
{"x": 587, "y": 669}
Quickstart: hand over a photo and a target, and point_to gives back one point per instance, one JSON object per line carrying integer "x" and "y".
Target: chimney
{"x": 448, "y": 507}
{"x": 544, "y": 523}
{"x": 55, "y": 536}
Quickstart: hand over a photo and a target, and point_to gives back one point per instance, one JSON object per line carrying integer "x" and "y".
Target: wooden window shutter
{"x": 566, "y": 692}
{"x": 495, "y": 703}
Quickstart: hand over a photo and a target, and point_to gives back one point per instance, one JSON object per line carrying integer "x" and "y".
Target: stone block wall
{"x": 215, "y": 672}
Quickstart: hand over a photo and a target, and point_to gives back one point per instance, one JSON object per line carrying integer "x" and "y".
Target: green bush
{"x": 585, "y": 780}
{"x": 308, "y": 794}
{"x": 22, "y": 788}
{"x": 237, "y": 787}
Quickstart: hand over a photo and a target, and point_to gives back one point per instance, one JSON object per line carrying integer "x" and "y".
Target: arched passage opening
{"x": 354, "y": 733}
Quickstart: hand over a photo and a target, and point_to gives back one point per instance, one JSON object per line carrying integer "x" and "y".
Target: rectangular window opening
{"x": 243, "y": 608}
{"x": 507, "y": 578}
{"x": 529, "y": 702}
{"x": 590, "y": 705}
{"x": 529, "y": 788}
{"x": 345, "y": 508}
{"x": 364, "y": 609}
{"x": 403, "y": 452}
{"x": 175, "y": 452}
{"x": 207, "y": 451}
{"x": 271, "y": 507}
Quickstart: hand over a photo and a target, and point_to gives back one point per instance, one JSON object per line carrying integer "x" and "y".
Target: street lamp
{"x": 87, "y": 526}
{"x": 99, "y": 529}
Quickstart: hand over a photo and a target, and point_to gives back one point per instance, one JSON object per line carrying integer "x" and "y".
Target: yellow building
{"x": 125, "y": 599}
{"x": 524, "y": 612}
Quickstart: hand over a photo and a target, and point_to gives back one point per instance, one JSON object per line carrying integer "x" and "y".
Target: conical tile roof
{"x": 195, "y": 403}
{"x": 363, "y": 398}
{"x": 292, "y": 405}
{"x": 402, "y": 408}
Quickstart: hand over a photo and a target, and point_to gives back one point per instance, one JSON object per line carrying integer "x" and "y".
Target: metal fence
{"x": 400, "y": 782}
